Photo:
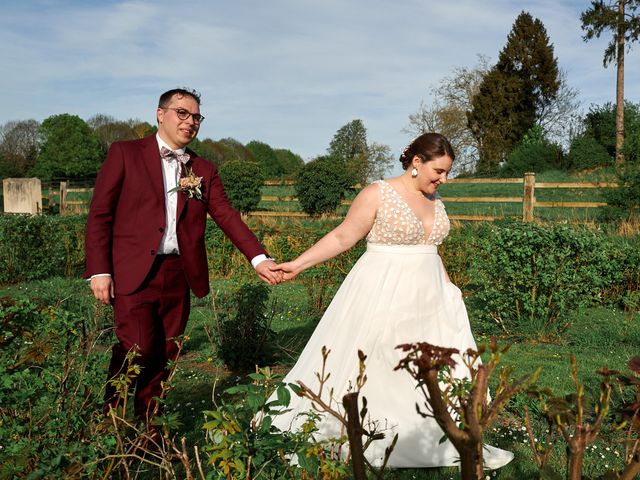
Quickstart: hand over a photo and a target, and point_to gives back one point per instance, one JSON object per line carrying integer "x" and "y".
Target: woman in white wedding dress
{"x": 397, "y": 292}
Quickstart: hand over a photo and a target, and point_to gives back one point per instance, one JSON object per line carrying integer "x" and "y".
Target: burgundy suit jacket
{"x": 127, "y": 218}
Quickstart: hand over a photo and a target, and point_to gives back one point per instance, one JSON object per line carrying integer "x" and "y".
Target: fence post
{"x": 50, "y": 198}
{"x": 528, "y": 196}
{"x": 63, "y": 197}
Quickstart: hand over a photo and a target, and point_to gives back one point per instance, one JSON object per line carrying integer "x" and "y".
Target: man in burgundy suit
{"x": 145, "y": 240}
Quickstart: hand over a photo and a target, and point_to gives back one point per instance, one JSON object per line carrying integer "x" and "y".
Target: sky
{"x": 286, "y": 72}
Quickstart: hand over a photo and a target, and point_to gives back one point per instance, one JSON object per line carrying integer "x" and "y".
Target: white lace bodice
{"x": 396, "y": 224}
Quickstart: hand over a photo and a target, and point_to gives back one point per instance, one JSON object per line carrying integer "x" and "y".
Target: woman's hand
{"x": 289, "y": 270}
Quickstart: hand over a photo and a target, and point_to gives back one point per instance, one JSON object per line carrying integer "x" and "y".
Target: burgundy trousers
{"x": 145, "y": 322}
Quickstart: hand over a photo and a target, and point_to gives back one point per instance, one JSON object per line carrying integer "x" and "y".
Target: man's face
{"x": 178, "y": 133}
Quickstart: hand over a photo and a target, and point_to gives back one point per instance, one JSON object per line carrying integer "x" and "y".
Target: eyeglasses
{"x": 184, "y": 114}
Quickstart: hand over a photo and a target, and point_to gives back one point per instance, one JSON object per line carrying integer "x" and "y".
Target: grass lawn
{"x": 598, "y": 337}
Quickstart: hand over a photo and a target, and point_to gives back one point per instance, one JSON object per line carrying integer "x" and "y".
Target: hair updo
{"x": 427, "y": 147}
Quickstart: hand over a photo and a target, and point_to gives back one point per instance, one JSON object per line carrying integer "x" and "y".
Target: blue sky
{"x": 286, "y": 72}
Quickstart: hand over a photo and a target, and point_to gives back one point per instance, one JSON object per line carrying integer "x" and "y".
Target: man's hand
{"x": 268, "y": 271}
{"x": 103, "y": 288}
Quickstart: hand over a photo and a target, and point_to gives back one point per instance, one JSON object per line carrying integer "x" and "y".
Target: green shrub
{"x": 38, "y": 247}
{"x": 600, "y": 123}
{"x": 531, "y": 157}
{"x": 321, "y": 185}
{"x": 242, "y": 183}
{"x": 529, "y": 278}
{"x": 244, "y": 330}
{"x": 457, "y": 254}
{"x": 242, "y": 443}
{"x": 586, "y": 152}
{"x": 49, "y": 393}
{"x": 623, "y": 203}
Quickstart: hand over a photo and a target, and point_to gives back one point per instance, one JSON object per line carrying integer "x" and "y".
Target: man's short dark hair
{"x": 165, "y": 98}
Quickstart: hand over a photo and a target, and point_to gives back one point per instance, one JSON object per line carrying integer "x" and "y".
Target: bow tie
{"x": 170, "y": 155}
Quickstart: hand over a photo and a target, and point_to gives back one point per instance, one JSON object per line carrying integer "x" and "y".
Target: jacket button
{"x": 153, "y": 252}
{"x": 161, "y": 229}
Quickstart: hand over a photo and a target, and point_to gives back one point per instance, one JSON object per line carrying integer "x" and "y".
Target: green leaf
{"x": 284, "y": 396}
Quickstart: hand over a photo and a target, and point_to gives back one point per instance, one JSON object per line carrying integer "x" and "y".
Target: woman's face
{"x": 432, "y": 173}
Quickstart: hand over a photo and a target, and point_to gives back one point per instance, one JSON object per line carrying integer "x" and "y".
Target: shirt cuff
{"x": 259, "y": 259}
{"x": 99, "y": 275}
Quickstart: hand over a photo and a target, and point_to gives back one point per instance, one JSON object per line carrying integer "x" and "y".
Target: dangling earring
{"x": 414, "y": 172}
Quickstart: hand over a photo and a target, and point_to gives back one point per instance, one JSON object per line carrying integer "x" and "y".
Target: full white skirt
{"x": 393, "y": 295}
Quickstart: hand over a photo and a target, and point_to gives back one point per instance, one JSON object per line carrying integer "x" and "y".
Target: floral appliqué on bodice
{"x": 396, "y": 224}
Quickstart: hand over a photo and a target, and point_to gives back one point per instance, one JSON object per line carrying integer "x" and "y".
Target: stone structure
{"x": 22, "y": 195}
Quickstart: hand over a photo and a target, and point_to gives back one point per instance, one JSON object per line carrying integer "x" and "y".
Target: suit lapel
{"x": 182, "y": 198}
{"x": 151, "y": 157}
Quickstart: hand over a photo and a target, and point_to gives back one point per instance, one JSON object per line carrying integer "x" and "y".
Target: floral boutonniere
{"x": 189, "y": 184}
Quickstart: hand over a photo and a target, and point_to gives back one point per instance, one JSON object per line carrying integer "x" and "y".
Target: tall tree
{"x": 447, "y": 114}
{"x": 515, "y": 92}
{"x": 141, "y": 129}
{"x": 269, "y": 161}
{"x": 69, "y": 148}
{"x": 379, "y": 161}
{"x": 234, "y": 150}
{"x": 18, "y": 147}
{"x": 621, "y": 18}
{"x": 291, "y": 162}
{"x": 494, "y": 119}
{"x": 350, "y": 141}
{"x": 108, "y": 130}
{"x": 349, "y": 146}
{"x": 364, "y": 162}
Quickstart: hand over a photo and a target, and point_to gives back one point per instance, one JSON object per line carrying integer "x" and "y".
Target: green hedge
{"x": 529, "y": 278}
{"x": 38, "y": 247}
{"x": 50, "y": 392}
{"x": 242, "y": 183}
{"x": 523, "y": 279}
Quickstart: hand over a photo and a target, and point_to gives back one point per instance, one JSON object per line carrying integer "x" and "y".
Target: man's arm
{"x": 99, "y": 231}
{"x": 229, "y": 220}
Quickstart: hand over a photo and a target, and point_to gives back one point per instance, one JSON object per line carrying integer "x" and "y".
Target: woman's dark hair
{"x": 427, "y": 147}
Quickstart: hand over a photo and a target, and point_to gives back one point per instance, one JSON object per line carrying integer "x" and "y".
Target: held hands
{"x": 273, "y": 273}
{"x": 289, "y": 270}
{"x": 268, "y": 271}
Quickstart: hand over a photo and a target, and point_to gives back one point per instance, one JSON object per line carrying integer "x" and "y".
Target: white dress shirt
{"x": 171, "y": 174}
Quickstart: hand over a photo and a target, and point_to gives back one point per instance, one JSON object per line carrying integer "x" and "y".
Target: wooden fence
{"x": 528, "y": 198}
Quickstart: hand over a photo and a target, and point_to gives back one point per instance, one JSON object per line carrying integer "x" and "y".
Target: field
{"x": 598, "y": 336}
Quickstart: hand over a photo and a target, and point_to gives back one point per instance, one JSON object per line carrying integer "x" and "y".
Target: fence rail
{"x": 528, "y": 199}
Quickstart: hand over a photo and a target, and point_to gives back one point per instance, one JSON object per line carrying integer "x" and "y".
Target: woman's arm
{"x": 356, "y": 225}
